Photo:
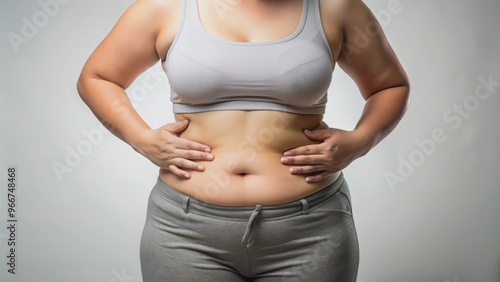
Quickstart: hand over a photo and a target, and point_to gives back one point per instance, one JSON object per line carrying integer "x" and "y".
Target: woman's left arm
{"x": 369, "y": 60}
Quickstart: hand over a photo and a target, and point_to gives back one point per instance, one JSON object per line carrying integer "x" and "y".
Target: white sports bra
{"x": 291, "y": 74}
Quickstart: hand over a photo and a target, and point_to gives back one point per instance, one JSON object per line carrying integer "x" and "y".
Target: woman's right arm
{"x": 129, "y": 49}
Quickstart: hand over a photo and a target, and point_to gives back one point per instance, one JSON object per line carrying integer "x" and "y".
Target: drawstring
{"x": 250, "y": 224}
{"x": 305, "y": 206}
{"x": 248, "y": 230}
{"x": 185, "y": 203}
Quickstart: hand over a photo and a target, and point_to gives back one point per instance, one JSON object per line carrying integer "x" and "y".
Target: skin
{"x": 218, "y": 156}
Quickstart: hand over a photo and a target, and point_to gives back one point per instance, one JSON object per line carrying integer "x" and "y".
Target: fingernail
{"x": 293, "y": 170}
{"x": 308, "y": 131}
{"x": 309, "y": 179}
{"x": 200, "y": 167}
{"x": 284, "y": 160}
{"x": 185, "y": 121}
{"x": 207, "y": 150}
{"x": 209, "y": 157}
{"x": 286, "y": 154}
{"x": 187, "y": 175}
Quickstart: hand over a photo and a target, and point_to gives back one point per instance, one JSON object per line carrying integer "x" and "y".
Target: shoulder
{"x": 337, "y": 7}
{"x": 340, "y": 12}
{"x": 154, "y": 10}
{"x": 151, "y": 20}
{"x": 161, "y": 5}
{"x": 344, "y": 10}
{"x": 357, "y": 12}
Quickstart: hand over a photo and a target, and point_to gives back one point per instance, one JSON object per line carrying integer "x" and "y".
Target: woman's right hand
{"x": 166, "y": 149}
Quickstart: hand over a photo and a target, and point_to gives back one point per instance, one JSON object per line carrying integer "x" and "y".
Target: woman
{"x": 250, "y": 185}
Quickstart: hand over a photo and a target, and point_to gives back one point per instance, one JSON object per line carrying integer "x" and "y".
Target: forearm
{"x": 113, "y": 109}
{"x": 382, "y": 112}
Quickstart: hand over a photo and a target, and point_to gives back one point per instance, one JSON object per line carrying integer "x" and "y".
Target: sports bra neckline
{"x": 289, "y": 37}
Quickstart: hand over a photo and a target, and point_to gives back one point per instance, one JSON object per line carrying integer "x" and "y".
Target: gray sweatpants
{"x": 311, "y": 239}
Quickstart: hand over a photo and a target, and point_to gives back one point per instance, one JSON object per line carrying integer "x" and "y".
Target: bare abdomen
{"x": 247, "y": 148}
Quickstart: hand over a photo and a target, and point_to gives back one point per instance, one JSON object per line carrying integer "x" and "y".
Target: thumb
{"x": 318, "y": 134}
{"x": 176, "y": 127}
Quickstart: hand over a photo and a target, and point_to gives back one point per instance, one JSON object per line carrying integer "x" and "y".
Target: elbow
{"x": 402, "y": 87}
{"x": 408, "y": 100}
{"x": 84, "y": 84}
{"x": 406, "y": 93}
{"x": 80, "y": 85}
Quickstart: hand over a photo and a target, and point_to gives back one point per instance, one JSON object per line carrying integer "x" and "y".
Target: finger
{"x": 307, "y": 169}
{"x": 179, "y": 172}
{"x": 318, "y": 177}
{"x": 181, "y": 163}
{"x": 176, "y": 126}
{"x": 193, "y": 155}
{"x": 303, "y": 159}
{"x": 305, "y": 150}
{"x": 192, "y": 145}
{"x": 318, "y": 134}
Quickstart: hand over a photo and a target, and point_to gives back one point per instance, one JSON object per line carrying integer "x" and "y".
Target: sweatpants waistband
{"x": 299, "y": 206}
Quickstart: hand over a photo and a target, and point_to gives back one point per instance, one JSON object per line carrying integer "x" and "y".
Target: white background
{"x": 423, "y": 214}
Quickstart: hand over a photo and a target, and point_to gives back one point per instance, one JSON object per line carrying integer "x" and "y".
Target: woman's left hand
{"x": 338, "y": 149}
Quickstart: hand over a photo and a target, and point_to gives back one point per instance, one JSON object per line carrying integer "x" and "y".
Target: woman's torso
{"x": 247, "y": 145}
